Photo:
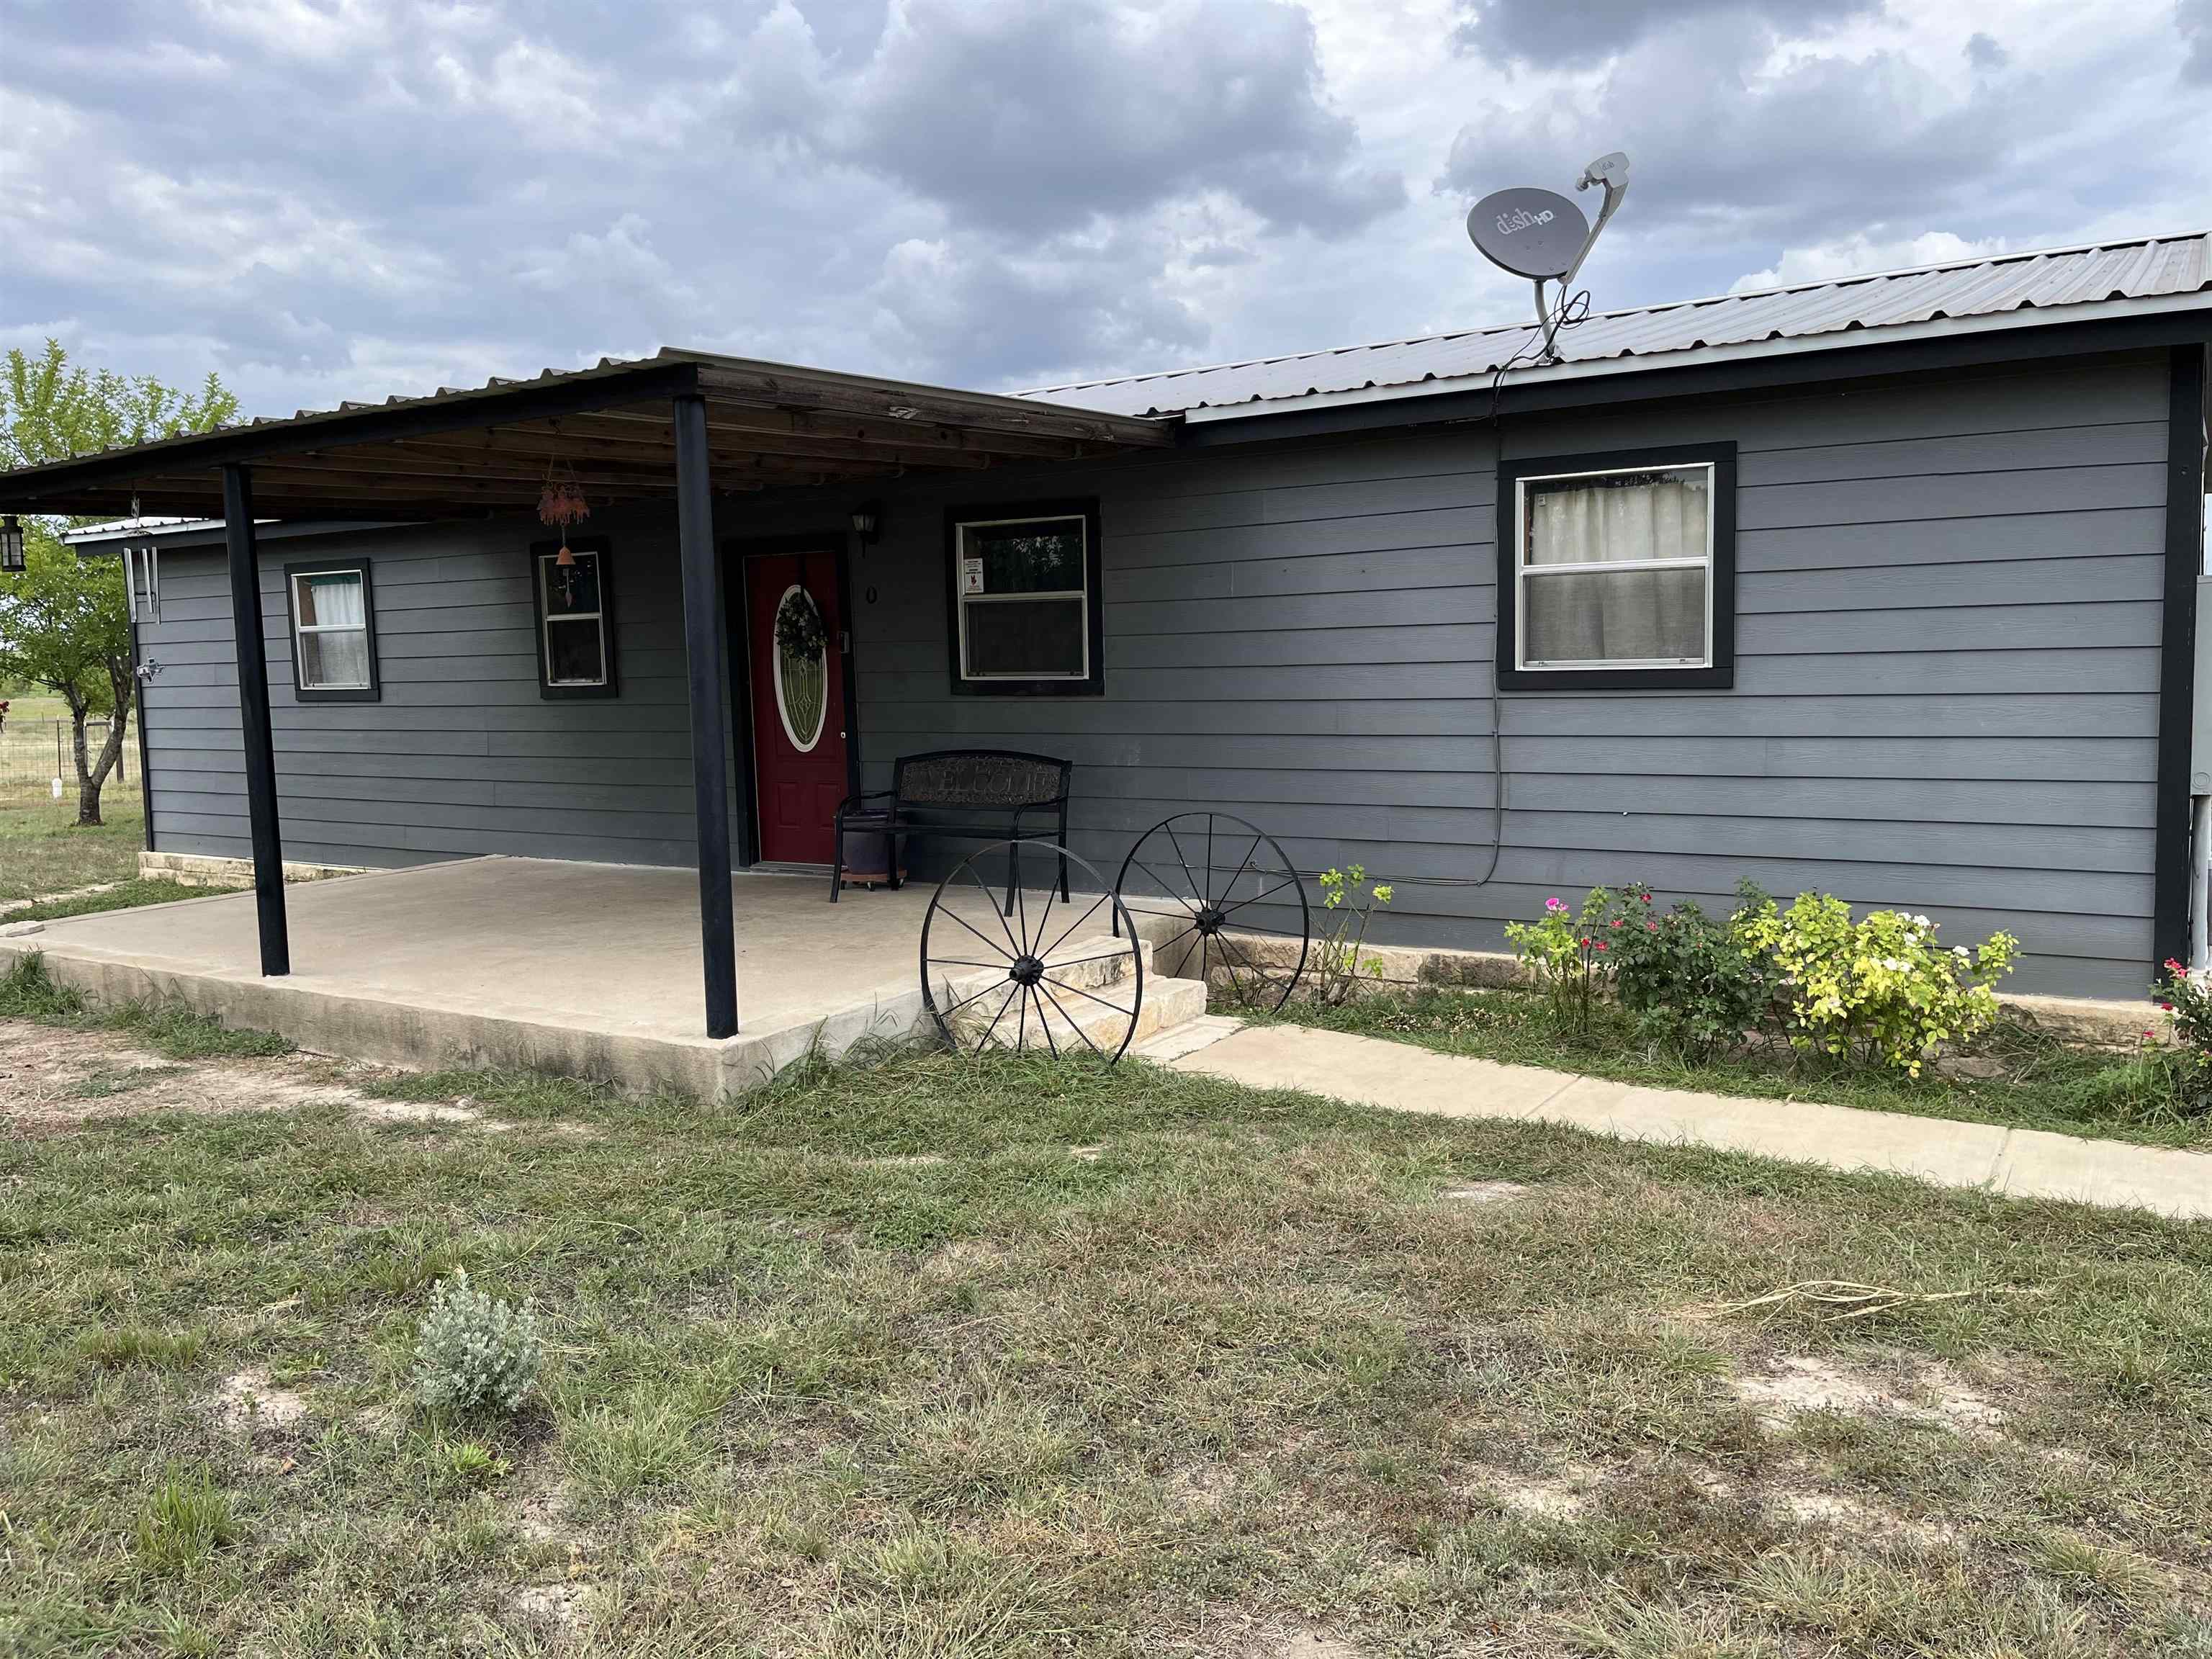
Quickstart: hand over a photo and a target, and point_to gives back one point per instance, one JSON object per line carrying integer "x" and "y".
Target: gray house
{"x": 1884, "y": 586}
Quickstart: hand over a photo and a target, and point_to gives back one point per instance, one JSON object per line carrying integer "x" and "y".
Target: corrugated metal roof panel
{"x": 2027, "y": 283}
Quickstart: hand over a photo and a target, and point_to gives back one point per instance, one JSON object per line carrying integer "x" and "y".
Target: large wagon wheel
{"x": 1208, "y": 871}
{"x": 1066, "y": 980}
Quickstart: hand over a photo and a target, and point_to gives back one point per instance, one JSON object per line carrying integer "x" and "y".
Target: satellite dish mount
{"x": 1543, "y": 236}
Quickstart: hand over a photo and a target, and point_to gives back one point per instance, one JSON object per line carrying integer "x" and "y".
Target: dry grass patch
{"x": 1254, "y": 1381}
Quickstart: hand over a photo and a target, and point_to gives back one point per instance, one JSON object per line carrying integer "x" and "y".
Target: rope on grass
{"x": 1840, "y": 1299}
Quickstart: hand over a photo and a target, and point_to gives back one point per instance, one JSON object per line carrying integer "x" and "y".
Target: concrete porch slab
{"x": 589, "y": 968}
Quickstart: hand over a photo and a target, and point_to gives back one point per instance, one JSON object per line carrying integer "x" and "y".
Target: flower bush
{"x": 1690, "y": 980}
{"x": 1878, "y": 991}
{"x": 1881, "y": 990}
{"x": 2187, "y": 1067}
{"x": 1570, "y": 951}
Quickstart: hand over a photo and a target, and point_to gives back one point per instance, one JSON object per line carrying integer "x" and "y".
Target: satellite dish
{"x": 1538, "y": 234}
{"x": 1543, "y": 236}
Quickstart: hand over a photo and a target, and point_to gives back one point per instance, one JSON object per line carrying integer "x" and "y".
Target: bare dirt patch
{"x": 1924, "y": 1391}
{"x": 249, "y": 1401}
{"x": 1558, "y": 1492}
{"x": 54, "y": 1079}
{"x": 557, "y": 1607}
{"x": 1485, "y": 1192}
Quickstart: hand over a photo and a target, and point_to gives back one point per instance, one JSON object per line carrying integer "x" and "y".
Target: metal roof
{"x": 2006, "y": 290}
{"x": 609, "y": 429}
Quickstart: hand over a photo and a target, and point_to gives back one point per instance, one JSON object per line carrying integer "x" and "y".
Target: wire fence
{"x": 37, "y": 765}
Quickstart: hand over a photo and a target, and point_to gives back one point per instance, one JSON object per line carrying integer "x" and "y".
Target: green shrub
{"x": 1881, "y": 990}
{"x": 1349, "y": 901}
{"x": 474, "y": 1351}
{"x": 1690, "y": 980}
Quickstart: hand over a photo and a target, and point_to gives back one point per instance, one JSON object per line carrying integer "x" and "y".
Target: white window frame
{"x": 546, "y": 564}
{"x": 962, "y": 600}
{"x": 366, "y": 627}
{"x": 1523, "y": 570}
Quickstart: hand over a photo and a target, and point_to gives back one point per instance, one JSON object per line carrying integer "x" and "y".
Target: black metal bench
{"x": 935, "y": 794}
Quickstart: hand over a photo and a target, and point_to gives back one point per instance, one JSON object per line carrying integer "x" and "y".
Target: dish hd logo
{"x": 1521, "y": 219}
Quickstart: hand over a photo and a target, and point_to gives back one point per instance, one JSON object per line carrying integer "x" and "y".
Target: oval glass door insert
{"x": 802, "y": 668}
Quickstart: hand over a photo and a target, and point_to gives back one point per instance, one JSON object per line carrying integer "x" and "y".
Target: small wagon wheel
{"x": 1065, "y": 979}
{"x": 1215, "y": 877}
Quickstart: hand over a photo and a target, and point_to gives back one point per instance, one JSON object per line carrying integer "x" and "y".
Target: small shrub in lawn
{"x": 474, "y": 1352}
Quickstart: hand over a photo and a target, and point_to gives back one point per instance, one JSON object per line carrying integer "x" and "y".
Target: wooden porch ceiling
{"x": 483, "y": 451}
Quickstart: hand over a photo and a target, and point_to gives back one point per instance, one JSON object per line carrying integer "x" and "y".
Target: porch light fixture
{"x": 864, "y": 523}
{"x": 11, "y": 544}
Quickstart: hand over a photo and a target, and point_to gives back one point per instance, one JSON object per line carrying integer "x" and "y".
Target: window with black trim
{"x": 1617, "y": 572}
{"x": 572, "y": 590}
{"x": 333, "y": 618}
{"x": 1023, "y": 611}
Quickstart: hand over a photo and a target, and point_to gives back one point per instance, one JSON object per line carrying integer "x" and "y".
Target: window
{"x": 333, "y": 631}
{"x": 1618, "y": 571}
{"x": 1025, "y": 605}
{"x": 575, "y": 620}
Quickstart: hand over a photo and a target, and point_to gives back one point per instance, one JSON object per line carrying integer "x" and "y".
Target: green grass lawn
{"x": 42, "y": 850}
{"x": 2045, "y": 1083}
{"x": 948, "y": 1360}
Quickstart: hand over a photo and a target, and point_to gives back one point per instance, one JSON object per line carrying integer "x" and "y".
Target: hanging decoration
{"x": 561, "y": 503}
{"x": 799, "y": 633}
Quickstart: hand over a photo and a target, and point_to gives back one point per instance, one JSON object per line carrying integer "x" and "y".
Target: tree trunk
{"x": 91, "y": 780}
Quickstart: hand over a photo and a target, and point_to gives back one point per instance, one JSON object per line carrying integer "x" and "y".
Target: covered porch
{"x": 592, "y": 969}
{"x": 702, "y": 434}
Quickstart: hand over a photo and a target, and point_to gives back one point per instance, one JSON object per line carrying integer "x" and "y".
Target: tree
{"x": 65, "y": 621}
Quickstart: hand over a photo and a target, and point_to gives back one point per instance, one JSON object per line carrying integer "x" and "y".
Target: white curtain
{"x": 1600, "y": 615}
{"x": 338, "y": 657}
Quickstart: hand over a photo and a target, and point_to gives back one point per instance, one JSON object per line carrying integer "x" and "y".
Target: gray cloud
{"x": 1985, "y": 52}
{"x": 324, "y": 201}
{"x": 1559, "y": 32}
{"x": 2194, "y": 19}
{"x": 1033, "y": 118}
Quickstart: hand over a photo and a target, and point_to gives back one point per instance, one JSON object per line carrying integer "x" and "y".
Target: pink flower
{"x": 1600, "y": 944}
{"x": 1646, "y": 897}
{"x": 2149, "y": 1032}
{"x": 2167, "y": 1006}
{"x": 1616, "y": 922}
{"x": 2173, "y": 965}
{"x": 1651, "y": 926}
{"x": 1553, "y": 904}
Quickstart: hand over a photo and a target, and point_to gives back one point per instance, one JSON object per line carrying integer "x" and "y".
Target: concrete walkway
{"x": 1376, "y": 1071}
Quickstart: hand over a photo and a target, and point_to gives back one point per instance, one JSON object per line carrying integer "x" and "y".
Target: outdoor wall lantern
{"x": 864, "y": 524}
{"x": 11, "y": 544}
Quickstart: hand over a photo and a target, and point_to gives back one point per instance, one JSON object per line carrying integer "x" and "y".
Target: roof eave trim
{"x": 1750, "y": 351}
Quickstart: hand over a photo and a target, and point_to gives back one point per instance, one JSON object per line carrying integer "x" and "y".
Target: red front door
{"x": 794, "y": 628}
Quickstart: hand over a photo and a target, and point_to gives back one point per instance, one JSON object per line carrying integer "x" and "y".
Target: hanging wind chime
{"x": 561, "y": 503}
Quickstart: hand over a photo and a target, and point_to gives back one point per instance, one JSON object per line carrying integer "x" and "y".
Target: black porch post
{"x": 704, "y": 652}
{"x": 254, "y": 717}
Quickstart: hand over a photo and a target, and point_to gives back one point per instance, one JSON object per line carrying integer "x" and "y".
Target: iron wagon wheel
{"x": 1062, "y": 976}
{"x": 1208, "y": 873}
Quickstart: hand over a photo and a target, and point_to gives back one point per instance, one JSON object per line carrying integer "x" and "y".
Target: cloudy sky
{"x": 328, "y": 198}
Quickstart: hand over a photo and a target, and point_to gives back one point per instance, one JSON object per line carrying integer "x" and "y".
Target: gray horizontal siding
{"x": 1949, "y": 629}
